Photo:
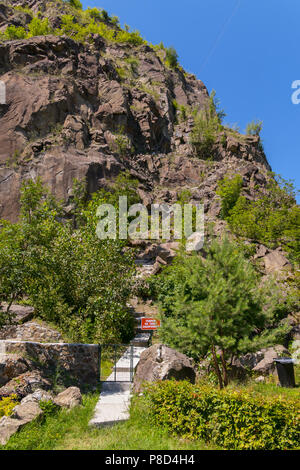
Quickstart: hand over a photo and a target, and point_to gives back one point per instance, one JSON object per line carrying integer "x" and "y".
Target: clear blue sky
{"x": 251, "y": 60}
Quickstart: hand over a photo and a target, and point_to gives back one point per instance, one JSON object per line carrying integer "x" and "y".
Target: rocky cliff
{"x": 90, "y": 110}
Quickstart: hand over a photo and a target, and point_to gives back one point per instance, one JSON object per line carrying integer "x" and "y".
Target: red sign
{"x": 150, "y": 324}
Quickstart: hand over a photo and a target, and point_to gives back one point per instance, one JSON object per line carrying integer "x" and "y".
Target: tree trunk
{"x": 224, "y": 366}
{"x": 216, "y": 366}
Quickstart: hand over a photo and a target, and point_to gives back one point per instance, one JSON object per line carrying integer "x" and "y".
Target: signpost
{"x": 149, "y": 324}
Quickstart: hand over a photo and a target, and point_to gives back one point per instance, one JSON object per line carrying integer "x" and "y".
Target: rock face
{"x": 162, "y": 363}
{"x": 67, "y": 102}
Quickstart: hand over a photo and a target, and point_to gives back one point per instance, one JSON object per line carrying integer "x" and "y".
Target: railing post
{"x": 99, "y": 359}
{"x": 131, "y": 362}
{"x": 115, "y": 361}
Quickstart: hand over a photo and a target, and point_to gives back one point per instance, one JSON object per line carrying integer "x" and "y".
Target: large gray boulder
{"x": 160, "y": 362}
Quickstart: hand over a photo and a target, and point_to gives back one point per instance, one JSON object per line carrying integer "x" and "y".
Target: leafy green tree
{"x": 72, "y": 278}
{"x": 216, "y": 305}
{"x": 38, "y": 27}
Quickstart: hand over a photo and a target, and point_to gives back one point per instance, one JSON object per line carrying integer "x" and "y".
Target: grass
{"x": 69, "y": 431}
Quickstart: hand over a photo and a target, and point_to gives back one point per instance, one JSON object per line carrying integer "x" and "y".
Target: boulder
{"x": 69, "y": 398}
{"x": 8, "y": 427}
{"x": 26, "y": 412}
{"x": 12, "y": 365}
{"x": 25, "y": 384}
{"x": 160, "y": 362}
{"x": 276, "y": 262}
{"x": 261, "y": 362}
{"x": 37, "y": 396}
{"x": 18, "y": 313}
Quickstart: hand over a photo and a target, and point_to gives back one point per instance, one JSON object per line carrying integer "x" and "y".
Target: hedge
{"x": 231, "y": 419}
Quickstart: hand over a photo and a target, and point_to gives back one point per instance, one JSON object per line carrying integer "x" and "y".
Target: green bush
{"x": 229, "y": 190}
{"x": 207, "y": 126}
{"x": 13, "y": 32}
{"x": 7, "y": 405}
{"x": 254, "y": 128}
{"x": 38, "y": 27}
{"x": 76, "y": 4}
{"x": 231, "y": 419}
{"x": 273, "y": 218}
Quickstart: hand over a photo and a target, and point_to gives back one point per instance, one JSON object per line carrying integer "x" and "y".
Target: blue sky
{"x": 246, "y": 50}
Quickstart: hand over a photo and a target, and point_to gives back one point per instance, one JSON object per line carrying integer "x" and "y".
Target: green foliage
{"x": 207, "y": 126}
{"x": 38, "y": 27}
{"x": 69, "y": 429}
{"x": 171, "y": 57}
{"x": 217, "y": 302}
{"x": 273, "y": 218}
{"x": 7, "y": 405}
{"x": 231, "y": 419}
{"x": 73, "y": 279}
{"x": 13, "y": 32}
{"x": 229, "y": 191}
{"x": 254, "y": 128}
{"x": 76, "y": 4}
{"x": 48, "y": 407}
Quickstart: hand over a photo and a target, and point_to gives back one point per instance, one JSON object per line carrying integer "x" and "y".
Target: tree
{"x": 73, "y": 279}
{"x": 216, "y": 305}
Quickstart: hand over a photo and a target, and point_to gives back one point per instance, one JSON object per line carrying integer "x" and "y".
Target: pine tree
{"x": 217, "y": 305}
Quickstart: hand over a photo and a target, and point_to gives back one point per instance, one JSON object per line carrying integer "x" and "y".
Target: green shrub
{"x": 254, "y": 128}
{"x": 38, "y": 27}
{"x": 207, "y": 126}
{"x": 229, "y": 190}
{"x": 48, "y": 407}
{"x": 231, "y": 419}
{"x": 7, "y": 405}
{"x": 13, "y": 32}
{"x": 273, "y": 218}
{"x": 171, "y": 58}
{"x": 76, "y": 4}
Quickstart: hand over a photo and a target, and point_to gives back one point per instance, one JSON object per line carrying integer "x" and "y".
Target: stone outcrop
{"x": 160, "y": 362}
{"x": 67, "y": 102}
